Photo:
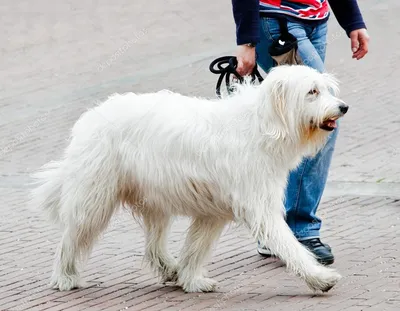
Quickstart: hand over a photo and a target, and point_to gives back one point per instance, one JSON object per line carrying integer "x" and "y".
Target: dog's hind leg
{"x": 85, "y": 213}
{"x": 202, "y": 233}
{"x": 157, "y": 225}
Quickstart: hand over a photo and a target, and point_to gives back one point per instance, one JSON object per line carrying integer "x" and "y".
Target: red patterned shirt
{"x": 304, "y": 9}
{"x": 247, "y": 14}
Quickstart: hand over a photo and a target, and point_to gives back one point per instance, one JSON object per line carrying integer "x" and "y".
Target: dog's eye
{"x": 313, "y": 92}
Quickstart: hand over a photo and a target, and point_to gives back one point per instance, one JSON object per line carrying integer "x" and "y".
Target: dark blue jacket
{"x": 247, "y": 18}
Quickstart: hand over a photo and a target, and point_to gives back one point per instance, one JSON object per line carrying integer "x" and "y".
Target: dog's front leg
{"x": 202, "y": 233}
{"x": 270, "y": 228}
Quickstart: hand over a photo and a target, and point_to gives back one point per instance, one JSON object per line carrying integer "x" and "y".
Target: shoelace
{"x": 226, "y": 71}
{"x": 314, "y": 242}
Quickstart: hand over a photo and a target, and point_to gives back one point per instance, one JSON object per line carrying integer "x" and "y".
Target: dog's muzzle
{"x": 330, "y": 123}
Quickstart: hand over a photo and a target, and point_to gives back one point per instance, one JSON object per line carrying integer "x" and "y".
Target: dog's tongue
{"x": 330, "y": 123}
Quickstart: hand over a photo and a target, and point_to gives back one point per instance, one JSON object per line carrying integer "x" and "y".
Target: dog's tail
{"x": 46, "y": 194}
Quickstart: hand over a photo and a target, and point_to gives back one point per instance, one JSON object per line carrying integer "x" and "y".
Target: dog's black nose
{"x": 343, "y": 108}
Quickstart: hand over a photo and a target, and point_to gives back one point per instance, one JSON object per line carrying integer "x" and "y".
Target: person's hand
{"x": 359, "y": 43}
{"x": 246, "y": 58}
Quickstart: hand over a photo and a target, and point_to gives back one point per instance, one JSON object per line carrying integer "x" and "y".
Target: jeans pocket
{"x": 271, "y": 27}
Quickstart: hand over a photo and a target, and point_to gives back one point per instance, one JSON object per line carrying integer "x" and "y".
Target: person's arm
{"x": 247, "y": 18}
{"x": 347, "y": 14}
{"x": 350, "y": 19}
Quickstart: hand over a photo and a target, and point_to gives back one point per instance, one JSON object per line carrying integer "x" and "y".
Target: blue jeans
{"x": 307, "y": 182}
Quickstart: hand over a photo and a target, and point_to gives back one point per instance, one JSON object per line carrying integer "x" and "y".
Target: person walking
{"x": 257, "y": 26}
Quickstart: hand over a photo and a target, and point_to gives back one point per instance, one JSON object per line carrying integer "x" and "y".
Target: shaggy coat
{"x": 215, "y": 161}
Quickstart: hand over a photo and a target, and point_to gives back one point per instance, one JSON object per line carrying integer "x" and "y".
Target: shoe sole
{"x": 264, "y": 252}
{"x": 326, "y": 261}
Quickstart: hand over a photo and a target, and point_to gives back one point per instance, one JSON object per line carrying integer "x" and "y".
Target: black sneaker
{"x": 322, "y": 251}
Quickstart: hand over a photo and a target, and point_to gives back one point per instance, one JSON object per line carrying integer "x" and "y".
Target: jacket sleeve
{"x": 347, "y": 14}
{"x": 247, "y": 18}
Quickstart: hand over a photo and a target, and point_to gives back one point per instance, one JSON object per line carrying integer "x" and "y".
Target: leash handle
{"x": 230, "y": 68}
{"x": 283, "y": 25}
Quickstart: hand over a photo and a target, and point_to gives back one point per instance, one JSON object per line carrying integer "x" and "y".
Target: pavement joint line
{"x": 352, "y": 188}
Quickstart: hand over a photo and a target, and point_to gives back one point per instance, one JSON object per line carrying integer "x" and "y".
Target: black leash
{"x": 284, "y": 44}
{"x": 228, "y": 70}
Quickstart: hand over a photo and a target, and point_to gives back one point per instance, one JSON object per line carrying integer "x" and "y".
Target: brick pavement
{"x": 63, "y": 56}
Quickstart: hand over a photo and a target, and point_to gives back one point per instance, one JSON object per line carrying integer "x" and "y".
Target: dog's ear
{"x": 276, "y": 99}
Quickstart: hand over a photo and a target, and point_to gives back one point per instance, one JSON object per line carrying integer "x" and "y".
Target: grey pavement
{"x": 58, "y": 58}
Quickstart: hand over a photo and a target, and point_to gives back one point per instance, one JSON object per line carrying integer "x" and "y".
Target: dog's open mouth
{"x": 329, "y": 124}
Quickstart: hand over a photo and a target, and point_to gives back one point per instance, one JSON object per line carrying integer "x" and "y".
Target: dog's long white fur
{"x": 216, "y": 161}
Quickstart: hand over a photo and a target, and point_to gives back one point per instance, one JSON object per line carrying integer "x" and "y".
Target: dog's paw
{"x": 170, "y": 275}
{"x": 323, "y": 280}
{"x": 204, "y": 272}
{"x": 199, "y": 285}
{"x": 65, "y": 282}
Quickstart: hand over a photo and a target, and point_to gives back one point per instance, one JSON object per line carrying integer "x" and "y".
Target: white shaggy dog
{"x": 216, "y": 161}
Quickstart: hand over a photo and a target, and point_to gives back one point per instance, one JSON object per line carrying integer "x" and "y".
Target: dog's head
{"x": 301, "y": 104}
